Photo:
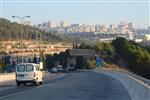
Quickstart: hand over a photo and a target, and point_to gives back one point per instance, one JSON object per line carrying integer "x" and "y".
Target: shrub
{"x": 90, "y": 64}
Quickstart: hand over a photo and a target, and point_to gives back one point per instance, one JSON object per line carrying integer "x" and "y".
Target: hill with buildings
{"x": 14, "y": 31}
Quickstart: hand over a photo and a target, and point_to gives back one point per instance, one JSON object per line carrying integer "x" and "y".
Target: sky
{"x": 79, "y": 11}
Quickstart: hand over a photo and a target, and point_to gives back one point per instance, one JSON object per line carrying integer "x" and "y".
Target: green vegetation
{"x": 1, "y": 66}
{"x": 12, "y": 31}
{"x": 137, "y": 57}
{"x": 90, "y": 64}
{"x": 101, "y": 49}
{"x": 104, "y": 49}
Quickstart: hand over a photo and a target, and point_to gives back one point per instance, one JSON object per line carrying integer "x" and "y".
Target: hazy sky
{"x": 80, "y": 11}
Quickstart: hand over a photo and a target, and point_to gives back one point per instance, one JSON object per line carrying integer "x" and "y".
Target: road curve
{"x": 82, "y": 85}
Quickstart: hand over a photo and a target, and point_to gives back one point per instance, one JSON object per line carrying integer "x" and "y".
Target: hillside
{"x": 11, "y": 31}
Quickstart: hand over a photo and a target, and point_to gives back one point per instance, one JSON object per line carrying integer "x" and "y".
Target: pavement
{"x": 79, "y": 85}
{"x": 7, "y": 77}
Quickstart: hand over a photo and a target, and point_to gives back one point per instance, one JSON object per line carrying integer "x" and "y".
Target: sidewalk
{"x": 7, "y": 77}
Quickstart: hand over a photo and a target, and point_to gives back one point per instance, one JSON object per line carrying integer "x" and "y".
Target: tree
{"x": 137, "y": 56}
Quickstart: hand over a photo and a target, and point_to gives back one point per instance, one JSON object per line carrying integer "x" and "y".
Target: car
{"x": 71, "y": 67}
{"x": 9, "y": 68}
{"x": 54, "y": 70}
{"x": 28, "y": 73}
{"x": 59, "y": 68}
{"x": 49, "y": 69}
{"x": 65, "y": 70}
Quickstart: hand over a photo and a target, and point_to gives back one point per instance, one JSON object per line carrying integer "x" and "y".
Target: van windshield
{"x": 29, "y": 68}
{"x": 21, "y": 68}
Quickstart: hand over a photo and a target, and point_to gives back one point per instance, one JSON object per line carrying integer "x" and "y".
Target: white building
{"x": 130, "y": 35}
{"x": 130, "y": 26}
{"x": 146, "y": 37}
{"x": 51, "y": 24}
{"x": 64, "y": 24}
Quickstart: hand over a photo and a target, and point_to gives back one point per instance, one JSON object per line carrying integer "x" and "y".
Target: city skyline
{"x": 85, "y": 12}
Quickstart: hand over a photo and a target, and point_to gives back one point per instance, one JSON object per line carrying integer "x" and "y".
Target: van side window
{"x": 29, "y": 68}
{"x": 21, "y": 68}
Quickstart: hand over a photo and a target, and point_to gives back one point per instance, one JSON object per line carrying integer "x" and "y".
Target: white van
{"x": 28, "y": 73}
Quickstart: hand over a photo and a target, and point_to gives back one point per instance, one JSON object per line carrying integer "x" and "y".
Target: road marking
{"x": 142, "y": 83}
{"x": 21, "y": 92}
{"x": 137, "y": 80}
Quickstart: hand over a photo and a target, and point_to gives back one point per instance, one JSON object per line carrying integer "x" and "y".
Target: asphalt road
{"x": 83, "y": 85}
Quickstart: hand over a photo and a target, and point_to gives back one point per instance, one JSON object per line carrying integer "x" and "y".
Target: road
{"x": 81, "y": 85}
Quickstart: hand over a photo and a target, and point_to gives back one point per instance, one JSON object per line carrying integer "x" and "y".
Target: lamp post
{"x": 41, "y": 51}
{"x": 21, "y": 20}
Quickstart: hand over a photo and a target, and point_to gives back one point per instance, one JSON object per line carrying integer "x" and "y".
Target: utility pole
{"x": 41, "y": 51}
{"x": 21, "y": 32}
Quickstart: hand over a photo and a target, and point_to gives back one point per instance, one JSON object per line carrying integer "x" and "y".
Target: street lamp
{"x": 40, "y": 50}
{"x": 21, "y": 20}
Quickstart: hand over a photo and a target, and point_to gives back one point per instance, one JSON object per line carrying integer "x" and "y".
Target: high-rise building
{"x": 86, "y": 28}
{"x": 64, "y": 24}
{"x": 51, "y": 24}
{"x": 97, "y": 28}
{"x": 111, "y": 28}
{"x": 92, "y": 28}
{"x": 39, "y": 25}
{"x": 130, "y": 26}
{"x": 44, "y": 25}
{"x": 148, "y": 29}
{"x": 130, "y": 35}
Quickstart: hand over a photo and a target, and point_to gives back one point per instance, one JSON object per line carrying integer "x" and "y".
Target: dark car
{"x": 9, "y": 68}
{"x": 65, "y": 70}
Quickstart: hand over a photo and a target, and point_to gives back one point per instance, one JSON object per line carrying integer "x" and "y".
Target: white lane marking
{"x": 137, "y": 80}
{"x": 21, "y": 92}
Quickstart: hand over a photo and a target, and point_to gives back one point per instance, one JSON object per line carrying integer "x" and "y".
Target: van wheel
{"x": 24, "y": 83}
{"x": 35, "y": 83}
{"x": 41, "y": 83}
{"x": 18, "y": 84}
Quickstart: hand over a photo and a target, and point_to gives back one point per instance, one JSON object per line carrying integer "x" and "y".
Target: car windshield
{"x": 29, "y": 68}
{"x": 21, "y": 68}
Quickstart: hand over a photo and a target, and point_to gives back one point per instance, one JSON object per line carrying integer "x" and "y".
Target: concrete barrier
{"x": 136, "y": 89}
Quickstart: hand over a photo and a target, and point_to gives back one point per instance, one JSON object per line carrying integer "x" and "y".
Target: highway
{"x": 80, "y": 85}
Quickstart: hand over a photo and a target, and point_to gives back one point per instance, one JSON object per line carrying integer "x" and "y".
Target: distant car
{"x": 54, "y": 70}
{"x": 28, "y": 73}
{"x": 71, "y": 67}
{"x": 65, "y": 70}
{"x": 59, "y": 68}
{"x": 49, "y": 69}
{"x": 9, "y": 68}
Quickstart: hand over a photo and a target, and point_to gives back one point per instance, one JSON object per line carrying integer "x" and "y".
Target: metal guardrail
{"x": 142, "y": 79}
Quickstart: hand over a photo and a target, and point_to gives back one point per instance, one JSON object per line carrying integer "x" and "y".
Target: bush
{"x": 1, "y": 67}
{"x": 90, "y": 64}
